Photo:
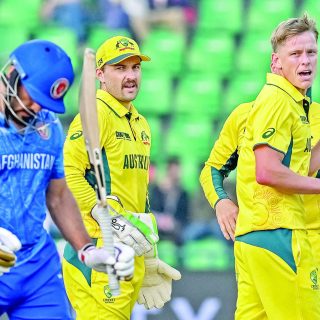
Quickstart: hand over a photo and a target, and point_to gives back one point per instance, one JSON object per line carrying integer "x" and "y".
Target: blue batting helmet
{"x": 45, "y": 71}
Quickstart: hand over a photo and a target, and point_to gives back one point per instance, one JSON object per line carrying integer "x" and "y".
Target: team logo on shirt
{"x": 76, "y": 135}
{"x": 108, "y": 294}
{"x": 43, "y": 130}
{"x": 145, "y": 138}
{"x": 314, "y": 279}
{"x": 123, "y": 135}
{"x": 304, "y": 119}
{"x": 268, "y": 133}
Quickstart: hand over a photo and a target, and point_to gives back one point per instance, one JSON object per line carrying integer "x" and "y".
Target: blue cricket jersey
{"x": 28, "y": 161}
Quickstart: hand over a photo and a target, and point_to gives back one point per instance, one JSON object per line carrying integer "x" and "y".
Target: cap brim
{"x": 127, "y": 55}
{"x": 55, "y": 105}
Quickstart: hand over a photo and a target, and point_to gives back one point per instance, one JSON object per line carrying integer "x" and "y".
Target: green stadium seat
{"x": 221, "y": 15}
{"x": 24, "y": 13}
{"x": 312, "y": 7}
{"x": 212, "y": 53}
{"x": 255, "y": 49}
{"x": 244, "y": 87}
{"x": 10, "y": 38}
{"x": 198, "y": 93}
{"x": 190, "y": 165}
{"x": 166, "y": 50}
{"x": 155, "y": 93}
{"x": 99, "y": 33}
{"x": 168, "y": 252}
{"x": 156, "y": 134}
{"x": 63, "y": 37}
{"x": 71, "y": 101}
{"x": 316, "y": 89}
{"x": 265, "y": 15}
{"x": 190, "y": 136}
{"x": 207, "y": 254}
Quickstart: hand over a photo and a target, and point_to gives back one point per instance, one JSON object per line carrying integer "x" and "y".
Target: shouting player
{"x": 271, "y": 243}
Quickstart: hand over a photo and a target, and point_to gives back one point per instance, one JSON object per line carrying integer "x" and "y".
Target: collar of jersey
{"x": 115, "y": 105}
{"x": 285, "y": 85}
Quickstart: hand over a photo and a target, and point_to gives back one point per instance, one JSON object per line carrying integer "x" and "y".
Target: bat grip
{"x": 105, "y": 225}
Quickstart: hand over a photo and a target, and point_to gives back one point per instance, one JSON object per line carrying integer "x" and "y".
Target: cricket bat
{"x": 89, "y": 120}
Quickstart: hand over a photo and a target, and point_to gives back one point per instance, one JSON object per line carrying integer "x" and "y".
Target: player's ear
{"x": 100, "y": 75}
{"x": 276, "y": 63}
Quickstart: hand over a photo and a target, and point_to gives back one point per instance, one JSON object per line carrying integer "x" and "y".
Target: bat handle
{"x": 105, "y": 225}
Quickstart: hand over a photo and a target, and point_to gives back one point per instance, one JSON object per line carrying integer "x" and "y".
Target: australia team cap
{"x": 117, "y": 49}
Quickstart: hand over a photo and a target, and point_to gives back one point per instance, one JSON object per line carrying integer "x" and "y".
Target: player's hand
{"x": 99, "y": 259}
{"x": 227, "y": 213}
{"x": 157, "y": 284}
{"x": 127, "y": 233}
{"x": 133, "y": 229}
{"x": 9, "y": 243}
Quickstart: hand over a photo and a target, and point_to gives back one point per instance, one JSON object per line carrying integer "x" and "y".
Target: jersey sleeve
{"x": 272, "y": 123}
{"x": 58, "y": 169}
{"x": 76, "y": 163}
{"x": 223, "y": 159}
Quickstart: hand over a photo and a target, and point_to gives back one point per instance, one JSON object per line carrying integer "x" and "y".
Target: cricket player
{"x": 271, "y": 243}
{"x": 224, "y": 158}
{"x": 274, "y": 163}
{"x": 32, "y": 88}
{"x": 125, "y": 139}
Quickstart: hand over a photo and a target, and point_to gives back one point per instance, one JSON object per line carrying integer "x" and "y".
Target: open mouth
{"x": 305, "y": 73}
{"x": 130, "y": 86}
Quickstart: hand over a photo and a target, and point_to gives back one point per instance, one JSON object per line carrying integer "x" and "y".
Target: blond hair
{"x": 292, "y": 27}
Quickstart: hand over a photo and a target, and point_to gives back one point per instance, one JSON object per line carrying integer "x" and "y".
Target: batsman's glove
{"x": 157, "y": 284}
{"x": 98, "y": 259}
{"x": 9, "y": 243}
{"x": 137, "y": 230}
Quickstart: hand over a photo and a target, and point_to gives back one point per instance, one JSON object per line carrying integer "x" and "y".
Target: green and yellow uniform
{"x": 224, "y": 155}
{"x": 125, "y": 139}
{"x": 312, "y": 202}
{"x": 223, "y": 158}
{"x": 272, "y": 252}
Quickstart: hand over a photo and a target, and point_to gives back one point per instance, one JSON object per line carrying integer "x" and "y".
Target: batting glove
{"x": 8, "y": 244}
{"x": 137, "y": 230}
{"x": 157, "y": 284}
{"x": 99, "y": 259}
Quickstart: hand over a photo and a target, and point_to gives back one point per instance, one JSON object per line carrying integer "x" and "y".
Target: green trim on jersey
{"x": 277, "y": 241}
{"x": 106, "y": 168}
{"x": 218, "y": 176}
{"x": 287, "y": 158}
{"x": 230, "y": 164}
{"x": 217, "y": 180}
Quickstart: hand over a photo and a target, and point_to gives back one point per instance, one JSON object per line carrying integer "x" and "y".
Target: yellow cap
{"x": 116, "y": 49}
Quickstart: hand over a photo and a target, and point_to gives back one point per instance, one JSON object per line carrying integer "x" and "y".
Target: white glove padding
{"x": 138, "y": 231}
{"x": 8, "y": 244}
{"x": 157, "y": 285}
{"x": 99, "y": 259}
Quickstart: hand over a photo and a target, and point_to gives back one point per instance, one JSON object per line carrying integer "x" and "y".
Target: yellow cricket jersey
{"x": 224, "y": 155}
{"x": 125, "y": 139}
{"x": 279, "y": 119}
{"x": 312, "y": 202}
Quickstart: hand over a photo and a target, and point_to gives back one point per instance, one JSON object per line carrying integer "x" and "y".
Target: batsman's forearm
{"x": 67, "y": 217}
